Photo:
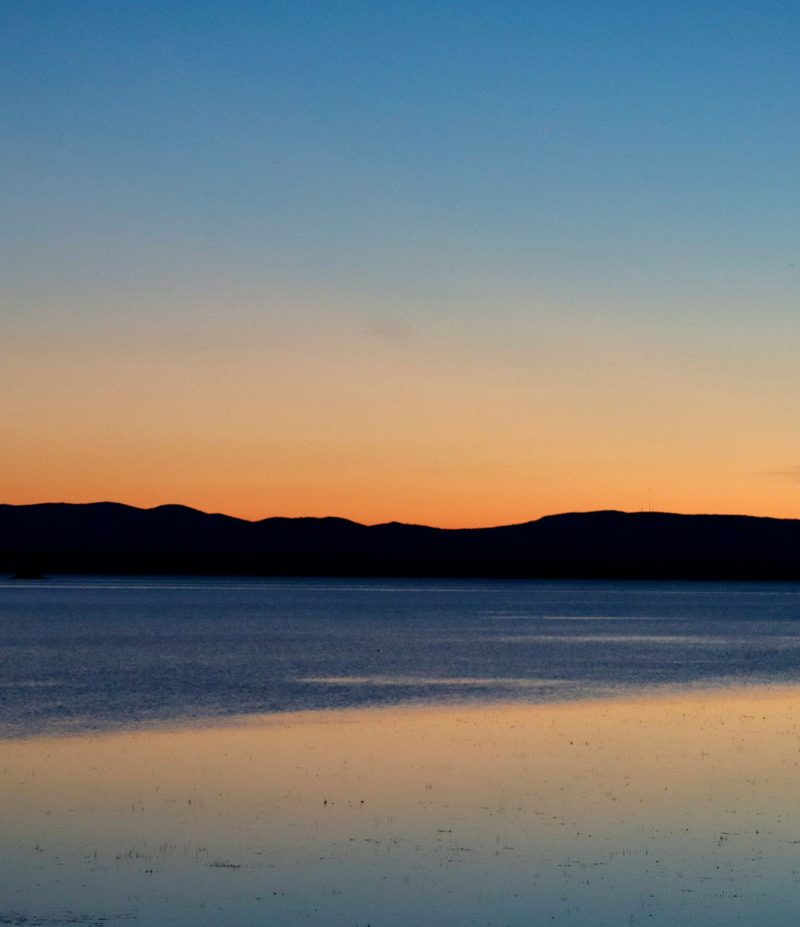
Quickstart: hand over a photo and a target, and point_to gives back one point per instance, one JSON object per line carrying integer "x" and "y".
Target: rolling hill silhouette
{"x": 109, "y": 537}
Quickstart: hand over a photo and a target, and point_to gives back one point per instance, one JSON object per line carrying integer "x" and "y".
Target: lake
{"x": 98, "y": 654}
{"x": 191, "y": 751}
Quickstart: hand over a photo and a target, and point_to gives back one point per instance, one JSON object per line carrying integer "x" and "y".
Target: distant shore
{"x": 109, "y": 537}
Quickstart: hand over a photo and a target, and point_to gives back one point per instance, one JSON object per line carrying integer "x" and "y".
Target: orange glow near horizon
{"x": 495, "y": 426}
{"x": 461, "y": 501}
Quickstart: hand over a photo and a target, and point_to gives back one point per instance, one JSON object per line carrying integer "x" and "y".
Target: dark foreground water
{"x": 84, "y": 654}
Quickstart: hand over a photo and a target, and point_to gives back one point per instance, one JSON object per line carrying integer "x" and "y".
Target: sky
{"x": 450, "y": 263}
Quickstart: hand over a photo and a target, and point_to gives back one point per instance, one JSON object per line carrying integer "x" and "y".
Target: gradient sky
{"x": 456, "y": 263}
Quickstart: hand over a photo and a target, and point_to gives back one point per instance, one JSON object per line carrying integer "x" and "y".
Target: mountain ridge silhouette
{"x": 111, "y": 537}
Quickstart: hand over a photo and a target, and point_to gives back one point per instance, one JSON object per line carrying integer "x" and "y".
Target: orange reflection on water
{"x": 491, "y": 814}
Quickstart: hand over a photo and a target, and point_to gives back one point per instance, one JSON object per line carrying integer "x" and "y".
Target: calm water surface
{"x": 95, "y": 654}
{"x": 367, "y": 754}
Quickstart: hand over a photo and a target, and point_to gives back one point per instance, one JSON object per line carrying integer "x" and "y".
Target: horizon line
{"x": 254, "y": 521}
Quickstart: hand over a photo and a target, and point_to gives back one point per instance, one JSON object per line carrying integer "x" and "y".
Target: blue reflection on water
{"x": 80, "y": 654}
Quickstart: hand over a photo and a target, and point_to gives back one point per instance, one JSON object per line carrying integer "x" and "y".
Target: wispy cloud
{"x": 389, "y": 328}
{"x": 788, "y": 473}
